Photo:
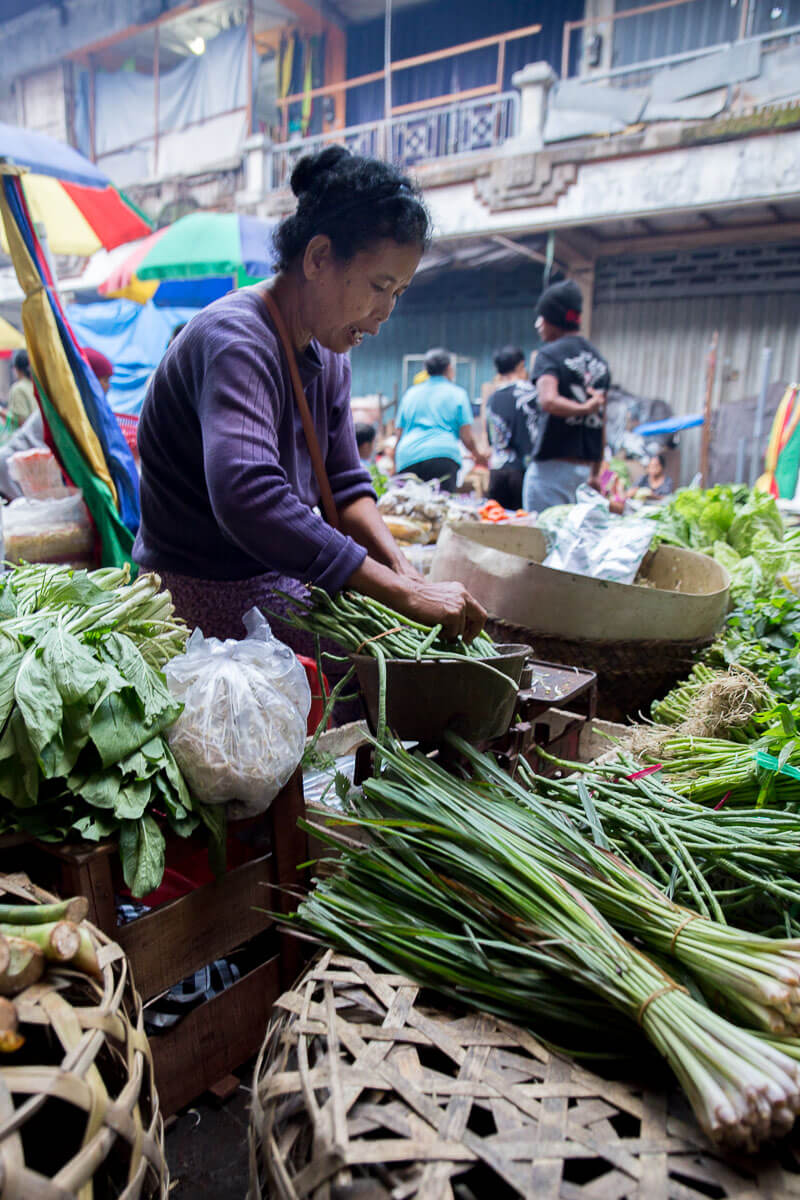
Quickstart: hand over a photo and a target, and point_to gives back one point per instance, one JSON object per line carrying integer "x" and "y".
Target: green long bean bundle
{"x": 523, "y": 885}
{"x": 365, "y": 626}
{"x": 737, "y": 864}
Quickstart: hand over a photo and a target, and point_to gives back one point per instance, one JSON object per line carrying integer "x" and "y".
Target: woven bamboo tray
{"x": 362, "y": 1091}
{"x": 79, "y": 1114}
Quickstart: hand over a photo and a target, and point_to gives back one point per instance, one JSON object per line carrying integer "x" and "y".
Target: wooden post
{"x": 501, "y": 63}
{"x": 387, "y": 81}
{"x": 744, "y": 19}
{"x": 250, "y": 44}
{"x": 711, "y": 370}
{"x": 156, "y": 97}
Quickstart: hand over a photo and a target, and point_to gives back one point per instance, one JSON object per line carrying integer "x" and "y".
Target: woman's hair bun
{"x": 311, "y": 169}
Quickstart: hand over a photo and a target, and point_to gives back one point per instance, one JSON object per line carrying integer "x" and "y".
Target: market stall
{"x": 479, "y": 870}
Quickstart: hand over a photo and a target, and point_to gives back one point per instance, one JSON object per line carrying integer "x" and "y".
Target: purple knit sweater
{"x": 227, "y": 484}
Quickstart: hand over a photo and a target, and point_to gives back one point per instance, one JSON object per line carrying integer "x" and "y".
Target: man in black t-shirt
{"x": 509, "y": 412}
{"x": 570, "y": 378}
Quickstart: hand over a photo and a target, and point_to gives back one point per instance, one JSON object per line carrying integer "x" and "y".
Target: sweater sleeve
{"x": 240, "y": 409}
{"x": 348, "y": 478}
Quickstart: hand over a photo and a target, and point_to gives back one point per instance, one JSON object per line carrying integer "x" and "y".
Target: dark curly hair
{"x": 355, "y": 202}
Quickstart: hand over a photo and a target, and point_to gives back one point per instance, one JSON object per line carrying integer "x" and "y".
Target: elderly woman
{"x": 229, "y": 486}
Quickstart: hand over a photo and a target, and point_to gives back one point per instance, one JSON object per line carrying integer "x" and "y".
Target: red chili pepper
{"x": 722, "y": 801}
{"x": 645, "y": 771}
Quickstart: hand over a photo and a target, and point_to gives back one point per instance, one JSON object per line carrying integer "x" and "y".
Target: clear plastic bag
{"x": 37, "y": 474}
{"x": 54, "y": 530}
{"x": 591, "y": 540}
{"x": 242, "y": 731}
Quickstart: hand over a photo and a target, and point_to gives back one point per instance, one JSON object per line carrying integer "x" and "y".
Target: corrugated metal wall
{"x": 658, "y": 348}
{"x": 687, "y": 26}
{"x": 472, "y": 313}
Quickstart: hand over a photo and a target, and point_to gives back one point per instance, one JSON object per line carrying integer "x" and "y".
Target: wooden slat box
{"x": 176, "y": 939}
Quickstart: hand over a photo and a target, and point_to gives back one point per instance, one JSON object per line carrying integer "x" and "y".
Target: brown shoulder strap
{"x": 318, "y": 463}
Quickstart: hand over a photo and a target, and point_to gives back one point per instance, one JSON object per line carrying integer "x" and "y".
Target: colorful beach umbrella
{"x": 77, "y": 204}
{"x": 207, "y": 245}
{"x": 123, "y": 283}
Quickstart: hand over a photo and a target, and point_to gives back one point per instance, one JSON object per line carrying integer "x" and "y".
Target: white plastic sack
{"x": 52, "y": 530}
{"x": 591, "y": 540}
{"x": 242, "y": 731}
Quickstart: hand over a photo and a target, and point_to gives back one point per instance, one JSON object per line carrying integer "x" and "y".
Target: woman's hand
{"x": 447, "y": 604}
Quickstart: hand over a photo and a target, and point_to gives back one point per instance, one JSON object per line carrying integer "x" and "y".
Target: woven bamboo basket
{"x": 630, "y": 675}
{"x": 363, "y": 1090}
{"x": 79, "y": 1114}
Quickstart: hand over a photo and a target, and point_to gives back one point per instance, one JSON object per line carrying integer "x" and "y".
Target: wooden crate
{"x": 176, "y": 939}
{"x": 364, "y": 1089}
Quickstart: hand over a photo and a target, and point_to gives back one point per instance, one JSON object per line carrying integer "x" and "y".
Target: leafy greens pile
{"x": 740, "y": 527}
{"x": 83, "y": 713}
{"x": 764, "y": 637}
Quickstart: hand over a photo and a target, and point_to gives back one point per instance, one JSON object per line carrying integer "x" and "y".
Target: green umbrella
{"x": 210, "y": 244}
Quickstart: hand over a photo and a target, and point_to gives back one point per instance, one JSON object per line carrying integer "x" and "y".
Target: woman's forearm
{"x": 364, "y": 524}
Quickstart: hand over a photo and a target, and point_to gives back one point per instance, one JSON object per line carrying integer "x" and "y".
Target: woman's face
{"x": 343, "y": 301}
{"x": 654, "y": 467}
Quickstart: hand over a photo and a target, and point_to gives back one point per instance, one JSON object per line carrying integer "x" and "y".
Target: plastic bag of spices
{"x": 242, "y": 731}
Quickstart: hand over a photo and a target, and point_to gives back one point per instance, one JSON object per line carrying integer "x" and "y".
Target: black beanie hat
{"x": 561, "y": 304}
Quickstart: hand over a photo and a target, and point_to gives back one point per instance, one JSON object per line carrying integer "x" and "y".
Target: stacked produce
{"x": 31, "y": 936}
{"x": 415, "y": 511}
{"x": 83, "y": 712}
{"x": 739, "y": 527}
{"x": 479, "y": 888}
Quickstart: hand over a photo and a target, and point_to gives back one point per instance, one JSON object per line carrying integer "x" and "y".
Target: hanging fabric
{"x": 308, "y": 103}
{"x": 68, "y": 387}
{"x": 782, "y": 459}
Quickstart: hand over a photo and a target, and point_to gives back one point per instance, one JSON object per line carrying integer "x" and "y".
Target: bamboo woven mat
{"x": 363, "y": 1091}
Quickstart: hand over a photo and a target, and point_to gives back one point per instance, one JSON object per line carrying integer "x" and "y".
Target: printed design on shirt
{"x": 500, "y": 438}
{"x": 587, "y": 371}
{"x": 525, "y": 398}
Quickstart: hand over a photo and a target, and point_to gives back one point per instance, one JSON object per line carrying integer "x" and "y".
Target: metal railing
{"x": 638, "y": 73}
{"x": 433, "y": 133}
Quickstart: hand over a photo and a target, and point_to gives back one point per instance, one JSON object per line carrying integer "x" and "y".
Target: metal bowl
{"x": 424, "y": 699}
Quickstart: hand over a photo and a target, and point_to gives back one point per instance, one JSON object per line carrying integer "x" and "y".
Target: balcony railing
{"x": 637, "y": 69}
{"x": 434, "y": 133}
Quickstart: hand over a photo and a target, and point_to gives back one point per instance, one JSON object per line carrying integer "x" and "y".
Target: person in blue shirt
{"x": 435, "y": 417}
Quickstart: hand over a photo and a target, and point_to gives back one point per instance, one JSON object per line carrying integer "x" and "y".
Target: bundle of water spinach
{"x": 83, "y": 715}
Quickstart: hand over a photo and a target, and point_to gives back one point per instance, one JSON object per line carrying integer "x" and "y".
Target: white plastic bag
{"x": 591, "y": 540}
{"x": 243, "y": 727}
{"x": 53, "y": 530}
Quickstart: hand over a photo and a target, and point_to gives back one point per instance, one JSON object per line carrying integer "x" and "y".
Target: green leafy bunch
{"x": 83, "y": 717}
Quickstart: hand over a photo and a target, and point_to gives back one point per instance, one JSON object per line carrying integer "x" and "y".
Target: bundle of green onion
{"x": 523, "y": 887}
{"x": 764, "y": 771}
{"x": 714, "y": 703}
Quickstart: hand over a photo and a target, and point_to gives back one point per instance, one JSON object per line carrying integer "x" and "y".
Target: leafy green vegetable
{"x": 741, "y": 529}
{"x": 83, "y": 709}
{"x": 142, "y": 848}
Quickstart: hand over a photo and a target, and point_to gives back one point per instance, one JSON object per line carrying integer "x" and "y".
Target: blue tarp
{"x": 669, "y": 425}
{"x": 133, "y": 336}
